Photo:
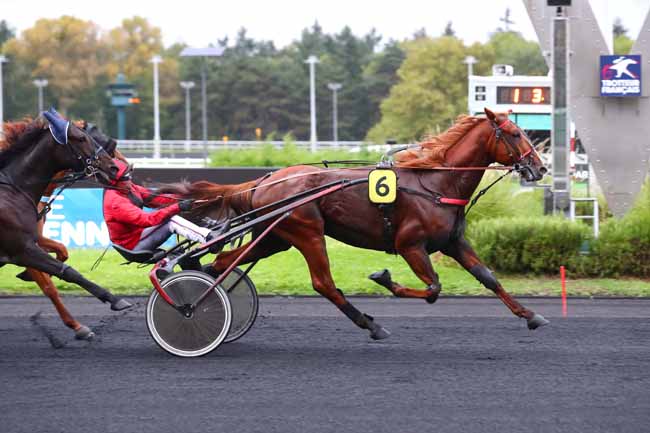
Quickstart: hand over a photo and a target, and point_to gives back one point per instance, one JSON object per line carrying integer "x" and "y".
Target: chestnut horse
{"x": 424, "y": 222}
{"x": 43, "y": 280}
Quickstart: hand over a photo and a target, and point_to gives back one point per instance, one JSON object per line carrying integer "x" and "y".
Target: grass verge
{"x": 287, "y": 274}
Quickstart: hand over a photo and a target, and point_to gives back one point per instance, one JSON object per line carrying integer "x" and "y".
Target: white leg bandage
{"x": 187, "y": 229}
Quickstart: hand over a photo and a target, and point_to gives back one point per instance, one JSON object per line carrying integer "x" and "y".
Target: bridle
{"x": 516, "y": 156}
{"x": 90, "y": 169}
{"x": 90, "y": 162}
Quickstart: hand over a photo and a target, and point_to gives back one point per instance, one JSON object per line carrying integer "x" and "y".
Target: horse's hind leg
{"x": 464, "y": 254}
{"x": 418, "y": 259}
{"x": 312, "y": 247}
{"x": 44, "y": 281}
{"x": 34, "y": 257}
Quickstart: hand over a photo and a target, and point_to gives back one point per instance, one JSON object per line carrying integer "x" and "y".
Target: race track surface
{"x": 461, "y": 365}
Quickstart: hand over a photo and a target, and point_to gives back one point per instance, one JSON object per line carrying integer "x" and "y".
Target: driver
{"x": 130, "y": 227}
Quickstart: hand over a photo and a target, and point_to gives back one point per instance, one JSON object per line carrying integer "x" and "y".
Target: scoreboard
{"x": 523, "y": 95}
{"x": 527, "y": 97}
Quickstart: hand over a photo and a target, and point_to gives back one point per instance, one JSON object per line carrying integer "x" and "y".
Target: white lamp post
{"x": 40, "y": 83}
{"x": 3, "y": 59}
{"x": 204, "y": 53}
{"x": 335, "y": 87}
{"x": 187, "y": 85}
{"x": 312, "y": 60}
{"x": 156, "y": 109}
{"x": 470, "y": 61}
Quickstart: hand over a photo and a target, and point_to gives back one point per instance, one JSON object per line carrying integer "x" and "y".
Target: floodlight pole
{"x": 3, "y": 59}
{"x": 187, "y": 85}
{"x": 156, "y": 109}
{"x": 204, "y": 108}
{"x": 335, "y": 87}
{"x": 40, "y": 83}
{"x": 312, "y": 60}
{"x": 560, "y": 136}
{"x": 470, "y": 61}
{"x": 203, "y": 53}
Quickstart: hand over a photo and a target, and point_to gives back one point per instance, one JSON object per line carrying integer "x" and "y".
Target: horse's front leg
{"x": 417, "y": 258}
{"x": 44, "y": 281}
{"x": 464, "y": 254}
{"x": 52, "y": 246}
{"x": 32, "y": 256}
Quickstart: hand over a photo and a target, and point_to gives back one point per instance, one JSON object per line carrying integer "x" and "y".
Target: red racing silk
{"x": 126, "y": 221}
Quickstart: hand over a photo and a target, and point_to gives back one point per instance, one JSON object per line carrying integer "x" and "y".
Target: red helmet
{"x": 123, "y": 172}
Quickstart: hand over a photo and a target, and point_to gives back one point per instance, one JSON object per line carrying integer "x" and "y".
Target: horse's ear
{"x": 490, "y": 115}
{"x": 58, "y": 126}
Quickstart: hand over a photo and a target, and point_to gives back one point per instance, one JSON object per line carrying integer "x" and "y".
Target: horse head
{"x": 511, "y": 146}
{"x": 76, "y": 149}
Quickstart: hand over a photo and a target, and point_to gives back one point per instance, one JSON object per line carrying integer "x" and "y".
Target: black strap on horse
{"x": 388, "y": 212}
{"x": 436, "y": 197}
{"x": 482, "y": 192}
{"x": 67, "y": 181}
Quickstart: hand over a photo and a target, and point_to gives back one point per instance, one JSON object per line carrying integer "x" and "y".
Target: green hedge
{"x": 541, "y": 244}
{"x": 267, "y": 155}
{"x": 623, "y": 247}
{"x": 537, "y": 245}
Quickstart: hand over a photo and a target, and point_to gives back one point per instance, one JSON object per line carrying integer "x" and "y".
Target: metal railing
{"x": 595, "y": 216}
{"x": 199, "y": 146}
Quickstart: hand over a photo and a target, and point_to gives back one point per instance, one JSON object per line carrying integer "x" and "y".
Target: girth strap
{"x": 388, "y": 211}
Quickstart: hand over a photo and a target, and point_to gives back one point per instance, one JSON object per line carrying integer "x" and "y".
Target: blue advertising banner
{"x": 76, "y": 219}
{"x": 620, "y": 75}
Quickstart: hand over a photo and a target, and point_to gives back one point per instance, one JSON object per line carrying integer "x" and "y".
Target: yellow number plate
{"x": 382, "y": 186}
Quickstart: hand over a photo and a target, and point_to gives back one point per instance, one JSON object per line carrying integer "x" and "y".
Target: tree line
{"x": 392, "y": 89}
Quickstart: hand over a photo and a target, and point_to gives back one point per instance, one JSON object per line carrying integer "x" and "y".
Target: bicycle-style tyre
{"x": 244, "y": 302}
{"x": 205, "y": 329}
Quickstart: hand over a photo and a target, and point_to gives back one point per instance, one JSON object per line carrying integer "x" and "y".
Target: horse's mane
{"x": 432, "y": 150}
{"x": 18, "y": 136}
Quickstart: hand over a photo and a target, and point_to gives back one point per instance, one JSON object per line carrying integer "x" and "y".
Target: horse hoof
{"x": 432, "y": 297}
{"x": 382, "y": 278}
{"x": 536, "y": 321}
{"x": 121, "y": 304}
{"x": 84, "y": 333}
{"x": 379, "y": 333}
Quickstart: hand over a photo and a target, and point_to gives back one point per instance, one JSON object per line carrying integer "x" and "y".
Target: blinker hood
{"x": 58, "y": 126}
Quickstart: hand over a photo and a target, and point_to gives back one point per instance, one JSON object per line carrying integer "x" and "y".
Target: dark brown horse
{"x": 424, "y": 222}
{"x": 32, "y": 153}
{"x": 43, "y": 280}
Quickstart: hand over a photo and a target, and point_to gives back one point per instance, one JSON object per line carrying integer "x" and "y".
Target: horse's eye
{"x": 516, "y": 135}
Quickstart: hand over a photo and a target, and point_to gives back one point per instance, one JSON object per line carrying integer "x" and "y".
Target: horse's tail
{"x": 236, "y": 198}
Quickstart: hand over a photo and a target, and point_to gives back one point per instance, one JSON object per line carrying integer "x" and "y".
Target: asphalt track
{"x": 461, "y": 365}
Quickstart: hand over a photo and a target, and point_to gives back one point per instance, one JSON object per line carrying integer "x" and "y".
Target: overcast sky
{"x": 199, "y": 23}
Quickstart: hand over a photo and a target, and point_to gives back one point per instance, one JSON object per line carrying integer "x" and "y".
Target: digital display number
{"x": 524, "y": 95}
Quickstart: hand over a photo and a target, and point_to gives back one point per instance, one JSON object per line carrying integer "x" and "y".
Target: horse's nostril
{"x": 543, "y": 171}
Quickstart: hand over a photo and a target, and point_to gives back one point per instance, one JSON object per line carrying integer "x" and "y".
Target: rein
{"x": 485, "y": 190}
{"x": 67, "y": 180}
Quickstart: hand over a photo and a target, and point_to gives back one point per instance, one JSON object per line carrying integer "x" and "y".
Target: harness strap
{"x": 435, "y": 197}
{"x": 454, "y": 201}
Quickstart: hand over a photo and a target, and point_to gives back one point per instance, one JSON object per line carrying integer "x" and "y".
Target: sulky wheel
{"x": 198, "y": 332}
{"x": 243, "y": 298}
